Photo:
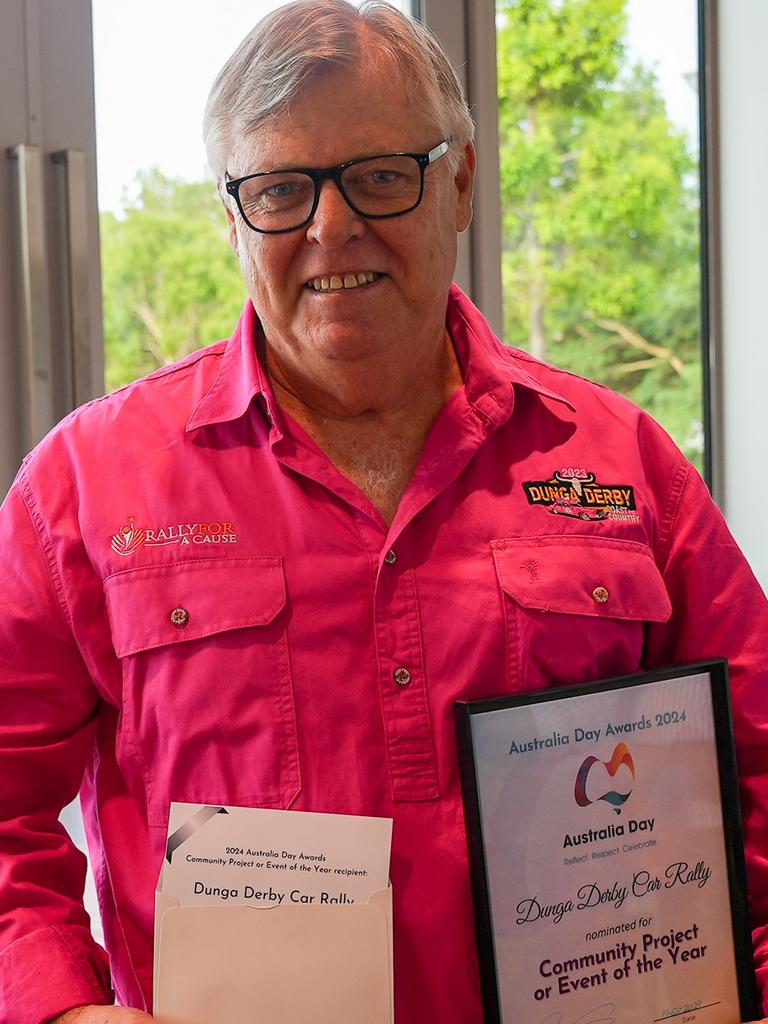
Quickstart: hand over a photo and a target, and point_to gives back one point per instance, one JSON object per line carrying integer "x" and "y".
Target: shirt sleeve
{"x": 720, "y": 611}
{"x": 48, "y": 709}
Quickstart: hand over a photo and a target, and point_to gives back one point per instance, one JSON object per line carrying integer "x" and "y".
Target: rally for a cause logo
{"x": 620, "y": 757}
{"x": 130, "y": 537}
{"x": 576, "y": 492}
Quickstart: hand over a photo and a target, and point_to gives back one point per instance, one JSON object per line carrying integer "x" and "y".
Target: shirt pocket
{"x": 208, "y": 706}
{"x": 575, "y": 607}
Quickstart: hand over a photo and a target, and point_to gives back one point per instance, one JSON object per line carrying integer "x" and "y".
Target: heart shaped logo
{"x": 620, "y": 756}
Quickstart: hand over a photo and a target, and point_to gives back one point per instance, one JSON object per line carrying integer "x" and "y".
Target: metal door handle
{"x": 35, "y": 293}
{"x": 76, "y": 263}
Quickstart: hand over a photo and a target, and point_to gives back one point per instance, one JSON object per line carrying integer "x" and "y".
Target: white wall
{"x": 742, "y": 383}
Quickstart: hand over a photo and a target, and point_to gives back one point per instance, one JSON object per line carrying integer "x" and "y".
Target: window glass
{"x": 598, "y": 123}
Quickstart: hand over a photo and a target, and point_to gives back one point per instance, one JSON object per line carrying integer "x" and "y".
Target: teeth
{"x": 336, "y": 283}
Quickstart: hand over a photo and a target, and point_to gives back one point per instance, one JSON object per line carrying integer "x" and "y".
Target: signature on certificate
{"x": 602, "y": 1014}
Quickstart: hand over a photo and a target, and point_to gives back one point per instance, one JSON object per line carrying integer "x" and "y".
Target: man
{"x": 262, "y": 576}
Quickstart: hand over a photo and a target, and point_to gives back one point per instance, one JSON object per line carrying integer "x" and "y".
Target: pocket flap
{"x": 168, "y": 604}
{"x": 601, "y": 577}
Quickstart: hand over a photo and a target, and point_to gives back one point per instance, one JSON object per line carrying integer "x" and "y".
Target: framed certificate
{"x": 606, "y": 852}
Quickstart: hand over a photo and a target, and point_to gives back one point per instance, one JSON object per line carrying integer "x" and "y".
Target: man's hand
{"x": 101, "y": 1015}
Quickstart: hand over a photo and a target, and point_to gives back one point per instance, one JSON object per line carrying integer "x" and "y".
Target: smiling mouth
{"x": 340, "y": 283}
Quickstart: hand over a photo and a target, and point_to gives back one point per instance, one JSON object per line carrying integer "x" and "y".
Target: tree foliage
{"x": 170, "y": 281}
{"x": 600, "y": 221}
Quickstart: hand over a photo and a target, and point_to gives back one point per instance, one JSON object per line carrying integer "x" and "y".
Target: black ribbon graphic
{"x": 181, "y": 835}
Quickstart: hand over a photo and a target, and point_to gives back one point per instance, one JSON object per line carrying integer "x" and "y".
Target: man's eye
{"x": 382, "y": 177}
{"x": 280, "y": 190}
{"x": 270, "y": 193}
{"x": 385, "y": 177}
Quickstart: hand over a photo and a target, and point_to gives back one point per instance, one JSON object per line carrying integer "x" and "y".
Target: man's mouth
{"x": 341, "y": 282}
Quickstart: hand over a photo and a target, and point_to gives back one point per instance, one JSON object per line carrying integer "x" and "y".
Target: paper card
{"x": 268, "y": 858}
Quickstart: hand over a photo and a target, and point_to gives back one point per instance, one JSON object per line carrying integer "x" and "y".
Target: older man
{"x": 262, "y": 576}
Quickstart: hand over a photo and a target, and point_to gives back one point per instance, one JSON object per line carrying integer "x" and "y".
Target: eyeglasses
{"x": 374, "y": 187}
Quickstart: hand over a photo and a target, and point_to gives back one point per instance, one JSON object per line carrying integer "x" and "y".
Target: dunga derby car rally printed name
{"x": 576, "y": 492}
{"x": 131, "y": 537}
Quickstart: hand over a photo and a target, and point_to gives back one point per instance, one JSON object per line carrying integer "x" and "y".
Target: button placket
{"x": 405, "y": 708}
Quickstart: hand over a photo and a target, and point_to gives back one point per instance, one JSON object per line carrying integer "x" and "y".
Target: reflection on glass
{"x": 600, "y": 198}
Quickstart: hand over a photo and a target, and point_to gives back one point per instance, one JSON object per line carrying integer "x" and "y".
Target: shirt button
{"x": 600, "y": 594}
{"x": 391, "y": 557}
{"x": 179, "y": 617}
{"x": 402, "y": 676}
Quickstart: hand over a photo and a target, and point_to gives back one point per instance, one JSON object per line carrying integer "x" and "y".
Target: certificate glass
{"x": 606, "y": 855}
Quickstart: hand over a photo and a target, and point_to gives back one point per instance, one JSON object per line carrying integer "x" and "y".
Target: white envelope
{"x": 330, "y": 964}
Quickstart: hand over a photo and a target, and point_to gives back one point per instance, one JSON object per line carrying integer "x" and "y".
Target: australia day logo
{"x": 590, "y": 778}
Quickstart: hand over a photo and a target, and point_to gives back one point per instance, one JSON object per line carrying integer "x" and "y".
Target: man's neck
{"x": 373, "y": 428}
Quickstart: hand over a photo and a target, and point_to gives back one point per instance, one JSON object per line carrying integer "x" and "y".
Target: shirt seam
{"x": 435, "y": 767}
{"x": 89, "y": 980}
{"x": 672, "y": 511}
{"x": 113, "y": 895}
{"x": 52, "y": 572}
{"x": 269, "y": 561}
{"x": 214, "y": 350}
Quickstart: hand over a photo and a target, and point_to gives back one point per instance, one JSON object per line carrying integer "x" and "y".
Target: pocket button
{"x": 600, "y": 594}
{"x": 179, "y": 617}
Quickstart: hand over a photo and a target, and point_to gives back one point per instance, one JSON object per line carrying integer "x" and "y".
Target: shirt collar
{"x": 489, "y": 367}
{"x": 240, "y": 379}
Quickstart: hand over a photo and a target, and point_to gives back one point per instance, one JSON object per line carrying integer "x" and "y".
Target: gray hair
{"x": 300, "y": 42}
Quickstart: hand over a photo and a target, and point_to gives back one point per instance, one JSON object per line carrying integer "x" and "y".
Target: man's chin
{"x": 348, "y": 340}
{"x": 349, "y": 347}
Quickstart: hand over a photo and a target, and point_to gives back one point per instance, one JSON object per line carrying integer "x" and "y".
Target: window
{"x": 598, "y": 151}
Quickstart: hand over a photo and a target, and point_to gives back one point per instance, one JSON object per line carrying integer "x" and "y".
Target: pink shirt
{"x": 314, "y": 655}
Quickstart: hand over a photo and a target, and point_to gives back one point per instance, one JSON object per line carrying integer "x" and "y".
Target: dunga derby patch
{"x": 576, "y": 492}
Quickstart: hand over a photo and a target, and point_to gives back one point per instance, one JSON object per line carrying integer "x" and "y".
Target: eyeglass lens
{"x": 381, "y": 186}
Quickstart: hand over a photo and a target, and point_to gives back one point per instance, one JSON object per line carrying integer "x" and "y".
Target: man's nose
{"x": 334, "y": 222}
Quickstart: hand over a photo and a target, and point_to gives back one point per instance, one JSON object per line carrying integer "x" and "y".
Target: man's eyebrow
{"x": 298, "y": 166}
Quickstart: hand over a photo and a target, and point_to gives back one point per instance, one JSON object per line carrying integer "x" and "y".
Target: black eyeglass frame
{"x": 319, "y": 175}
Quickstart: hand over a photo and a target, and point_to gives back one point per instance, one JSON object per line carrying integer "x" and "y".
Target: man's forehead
{"x": 334, "y": 119}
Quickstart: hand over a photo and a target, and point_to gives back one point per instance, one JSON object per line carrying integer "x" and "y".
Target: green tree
{"x": 170, "y": 281}
{"x": 600, "y": 261}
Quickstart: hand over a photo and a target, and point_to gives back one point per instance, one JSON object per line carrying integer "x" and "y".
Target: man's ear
{"x": 232, "y": 229}
{"x": 223, "y": 195}
{"x": 465, "y": 187}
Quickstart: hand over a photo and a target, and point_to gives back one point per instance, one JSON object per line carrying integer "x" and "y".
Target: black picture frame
{"x": 719, "y": 690}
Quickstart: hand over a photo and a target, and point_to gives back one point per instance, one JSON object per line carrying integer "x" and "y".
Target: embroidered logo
{"x": 129, "y": 538}
{"x": 531, "y": 566}
{"x": 576, "y": 492}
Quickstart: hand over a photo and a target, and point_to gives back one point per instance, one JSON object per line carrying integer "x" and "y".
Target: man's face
{"x": 340, "y": 118}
